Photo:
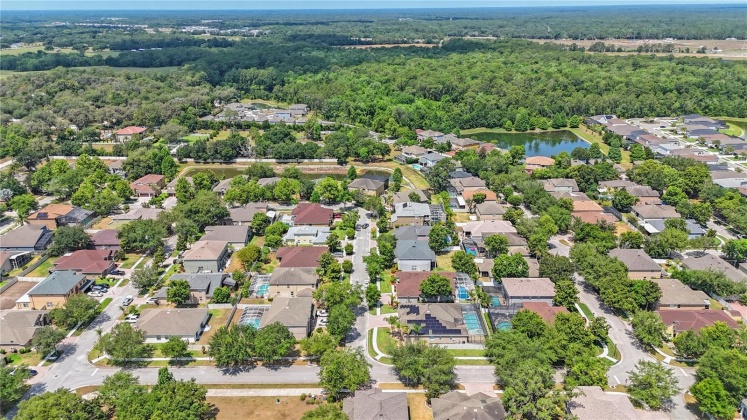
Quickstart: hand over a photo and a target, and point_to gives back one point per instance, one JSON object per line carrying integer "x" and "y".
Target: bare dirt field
{"x": 239, "y": 408}
{"x": 8, "y": 298}
{"x": 731, "y": 49}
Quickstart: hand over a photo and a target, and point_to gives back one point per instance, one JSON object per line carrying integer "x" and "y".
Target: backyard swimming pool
{"x": 504, "y": 326}
{"x": 472, "y": 322}
{"x": 495, "y": 301}
{"x": 416, "y": 167}
{"x": 462, "y": 292}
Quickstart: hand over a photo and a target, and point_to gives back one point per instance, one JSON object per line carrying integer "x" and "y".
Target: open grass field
{"x": 592, "y": 137}
{"x": 39, "y": 47}
{"x": 43, "y": 269}
{"x": 732, "y": 50}
{"x": 239, "y": 408}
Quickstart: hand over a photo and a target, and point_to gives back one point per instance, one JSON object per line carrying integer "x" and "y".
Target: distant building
{"x": 127, "y": 133}
{"x": 300, "y": 256}
{"x": 307, "y": 235}
{"x": 372, "y": 187}
{"x": 203, "y": 285}
{"x": 105, "y": 239}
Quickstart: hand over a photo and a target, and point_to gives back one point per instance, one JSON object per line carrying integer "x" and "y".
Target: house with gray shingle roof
{"x": 373, "y": 404}
{"x": 639, "y": 264}
{"x": 414, "y": 256}
{"x": 456, "y": 405}
{"x": 203, "y": 285}
{"x": 53, "y": 291}
{"x": 160, "y": 324}
{"x": 296, "y": 313}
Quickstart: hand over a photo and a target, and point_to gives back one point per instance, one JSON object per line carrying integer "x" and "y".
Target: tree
{"x": 566, "y": 294}
{"x": 420, "y": 364}
{"x": 352, "y": 173}
{"x": 159, "y": 257}
{"x": 648, "y": 328}
{"x": 439, "y": 175}
{"x": 273, "y": 241}
{"x": 673, "y": 196}
{"x": 529, "y": 323}
{"x": 178, "y": 292}
{"x": 496, "y": 245}
{"x": 142, "y": 235}
{"x": 396, "y": 179}
{"x": 729, "y": 366}
{"x": 510, "y": 266}
{"x": 438, "y": 237}
{"x": 587, "y": 370}
{"x": 652, "y": 384}
{"x": 333, "y": 242}
{"x": 574, "y": 122}
{"x": 615, "y": 154}
{"x": 145, "y": 278}
{"x": 318, "y": 344}
{"x": 68, "y": 239}
{"x": 232, "y": 346}
{"x": 23, "y": 204}
{"x": 124, "y": 342}
{"x": 79, "y": 309}
{"x": 59, "y": 404}
{"x": 260, "y": 221}
{"x": 341, "y": 319}
{"x": 436, "y": 287}
{"x": 286, "y": 189}
{"x": 623, "y": 200}
{"x": 349, "y": 248}
{"x": 373, "y": 295}
{"x": 273, "y": 342}
{"x": 630, "y": 240}
{"x": 12, "y": 384}
{"x": 713, "y": 398}
{"x": 735, "y": 249}
{"x": 205, "y": 209}
{"x": 521, "y": 123}
{"x": 345, "y": 369}
{"x": 329, "y": 189}
{"x": 414, "y": 197}
{"x": 556, "y": 267}
{"x": 174, "y": 347}
{"x": 222, "y": 295}
{"x": 46, "y": 339}
{"x": 248, "y": 255}
{"x": 464, "y": 263}
{"x": 325, "y": 412}
{"x": 599, "y": 328}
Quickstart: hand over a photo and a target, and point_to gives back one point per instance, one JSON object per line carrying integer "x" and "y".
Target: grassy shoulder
{"x": 592, "y": 137}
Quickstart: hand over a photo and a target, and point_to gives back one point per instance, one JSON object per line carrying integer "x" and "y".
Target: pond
{"x": 230, "y": 172}
{"x": 259, "y": 105}
{"x": 536, "y": 144}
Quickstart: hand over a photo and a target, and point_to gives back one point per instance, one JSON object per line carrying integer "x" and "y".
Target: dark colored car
{"x": 117, "y": 273}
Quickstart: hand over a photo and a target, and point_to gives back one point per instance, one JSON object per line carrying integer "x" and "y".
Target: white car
{"x": 321, "y": 312}
{"x": 95, "y": 293}
{"x": 322, "y": 322}
{"x": 132, "y": 318}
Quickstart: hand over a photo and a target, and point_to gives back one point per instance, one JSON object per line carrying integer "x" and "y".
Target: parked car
{"x": 322, "y": 322}
{"x": 365, "y": 226}
{"x": 152, "y": 301}
{"x": 322, "y": 313}
{"x": 127, "y": 301}
{"x": 103, "y": 288}
{"x": 32, "y": 372}
{"x": 132, "y": 318}
{"x": 95, "y": 293}
{"x": 117, "y": 273}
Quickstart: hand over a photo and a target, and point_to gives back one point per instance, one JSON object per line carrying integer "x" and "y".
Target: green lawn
{"x": 385, "y": 310}
{"x": 733, "y": 130}
{"x": 466, "y": 352}
{"x": 443, "y": 262}
{"x": 43, "y": 269}
{"x": 104, "y": 303}
{"x": 385, "y": 341}
{"x": 3, "y": 283}
{"x": 585, "y": 309}
{"x": 592, "y": 137}
{"x": 386, "y": 282}
{"x": 129, "y": 260}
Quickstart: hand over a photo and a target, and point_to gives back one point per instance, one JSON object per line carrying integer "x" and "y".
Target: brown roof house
{"x": 243, "y": 215}
{"x": 560, "y": 185}
{"x": 537, "y": 162}
{"x": 441, "y": 323}
{"x": 545, "y": 311}
{"x": 489, "y": 210}
{"x": 160, "y": 324}
{"x": 296, "y": 313}
{"x": 594, "y": 404}
{"x": 300, "y": 256}
{"x": 675, "y": 295}
{"x": 105, "y": 239}
{"x": 457, "y": 405}
{"x": 678, "y": 321}
{"x": 520, "y": 290}
{"x": 17, "y": 328}
{"x": 374, "y": 404}
{"x": 90, "y": 262}
{"x": 27, "y": 238}
{"x": 640, "y": 265}
{"x": 149, "y": 185}
{"x": 648, "y": 212}
{"x": 126, "y": 134}
{"x": 368, "y": 186}
{"x": 311, "y": 214}
{"x": 55, "y": 215}
{"x": 236, "y": 236}
{"x": 644, "y": 193}
{"x": 407, "y": 287}
{"x": 289, "y": 281}
{"x": 206, "y": 257}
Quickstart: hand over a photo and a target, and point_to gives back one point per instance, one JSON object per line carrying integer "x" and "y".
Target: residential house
{"x": 27, "y": 238}
{"x": 138, "y": 214}
{"x": 267, "y": 182}
{"x": 675, "y": 295}
{"x": 457, "y": 405}
{"x": 594, "y": 217}
{"x": 411, "y": 154}
{"x": 591, "y": 403}
{"x": 488, "y": 196}
{"x": 696, "y": 154}
{"x": 300, "y": 256}
{"x": 127, "y": 133}
{"x": 160, "y": 324}
{"x": 17, "y": 328}
{"x": 430, "y": 159}
{"x": 586, "y": 206}
{"x": 602, "y": 120}
{"x": 614, "y": 185}
{"x": 490, "y": 210}
{"x": 414, "y": 256}
{"x": 519, "y": 290}
{"x": 441, "y": 323}
{"x": 639, "y": 264}
{"x": 407, "y": 287}
{"x": 236, "y": 236}
{"x": 417, "y": 214}
{"x": 404, "y": 196}
{"x": 484, "y": 228}
{"x": 311, "y": 214}
{"x": 537, "y": 162}
{"x": 171, "y": 186}
{"x": 426, "y": 134}
{"x": 89, "y": 262}
{"x": 10, "y": 261}
{"x": 710, "y": 262}
{"x": 116, "y": 167}
{"x": 546, "y": 311}
{"x": 560, "y": 185}
{"x": 306, "y": 235}
{"x": 106, "y": 239}
{"x": 678, "y": 321}
{"x": 53, "y": 291}
{"x": 222, "y": 186}
{"x": 412, "y": 233}
{"x": 206, "y": 257}
{"x": 240, "y": 216}
{"x": 644, "y": 193}
{"x": 374, "y": 404}
{"x": 55, "y": 215}
{"x": 729, "y": 179}
{"x": 303, "y": 108}
{"x": 694, "y": 230}
{"x": 704, "y": 121}
{"x": 649, "y": 212}
{"x": 464, "y": 143}
{"x": 289, "y": 281}
{"x": 296, "y": 313}
{"x": 368, "y": 186}
{"x": 149, "y": 185}
{"x": 203, "y": 285}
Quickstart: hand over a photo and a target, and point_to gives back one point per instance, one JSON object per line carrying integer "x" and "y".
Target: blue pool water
{"x": 472, "y": 323}
{"x": 263, "y": 290}
{"x": 416, "y": 167}
{"x": 504, "y": 326}
{"x": 495, "y": 301}
{"x": 462, "y": 292}
{"x": 471, "y": 251}
{"x": 254, "y": 322}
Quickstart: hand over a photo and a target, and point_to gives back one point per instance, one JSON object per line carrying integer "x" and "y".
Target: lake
{"x": 536, "y": 144}
{"x": 225, "y": 173}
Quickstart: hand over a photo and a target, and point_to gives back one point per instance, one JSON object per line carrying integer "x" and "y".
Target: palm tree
{"x": 392, "y": 321}
{"x": 416, "y": 328}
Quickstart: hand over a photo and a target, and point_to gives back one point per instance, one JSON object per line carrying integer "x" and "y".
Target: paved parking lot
{"x": 8, "y": 298}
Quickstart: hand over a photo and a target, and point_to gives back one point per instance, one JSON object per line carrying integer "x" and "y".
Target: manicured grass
{"x": 416, "y": 404}
{"x": 104, "y": 303}
{"x": 733, "y": 130}
{"x": 476, "y": 362}
{"x": 466, "y": 352}
{"x": 257, "y": 241}
{"x": 443, "y": 262}
{"x": 43, "y": 269}
{"x": 385, "y": 310}
{"x": 171, "y": 271}
{"x": 585, "y": 309}
{"x": 385, "y": 341}
{"x": 239, "y": 408}
{"x": 592, "y": 137}
{"x": 30, "y": 359}
{"x": 417, "y": 179}
{"x": 129, "y": 260}
{"x": 612, "y": 350}
{"x": 386, "y": 283}
{"x": 715, "y": 305}
{"x": 3, "y": 283}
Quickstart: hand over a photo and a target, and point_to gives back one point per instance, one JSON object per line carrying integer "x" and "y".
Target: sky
{"x": 315, "y": 4}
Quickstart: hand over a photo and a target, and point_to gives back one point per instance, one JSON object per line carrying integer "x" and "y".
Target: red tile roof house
{"x": 407, "y": 287}
{"x": 93, "y": 262}
{"x": 148, "y": 186}
{"x": 678, "y": 321}
{"x": 545, "y": 311}
{"x": 300, "y": 256}
{"x": 312, "y": 214}
{"x": 125, "y": 134}
{"x": 105, "y": 239}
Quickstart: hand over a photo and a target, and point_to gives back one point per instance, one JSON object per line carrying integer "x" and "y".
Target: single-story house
{"x": 639, "y": 264}
{"x": 203, "y": 285}
{"x": 593, "y": 217}
{"x": 306, "y": 235}
{"x": 463, "y": 184}
{"x": 675, "y": 295}
{"x": 91, "y": 262}
{"x": 544, "y": 310}
{"x": 519, "y": 290}
{"x": 289, "y": 281}
{"x": 592, "y": 403}
{"x": 17, "y": 328}
{"x": 300, "y": 256}
{"x": 160, "y": 324}
{"x": 644, "y": 193}
{"x": 560, "y": 185}
{"x": 464, "y": 143}
{"x": 417, "y": 214}
{"x": 105, "y": 239}
{"x": 678, "y": 321}
{"x": 116, "y": 167}
{"x": 311, "y": 214}
{"x": 367, "y": 186}
{"x": 649, "y": 212}
{"x": 206, "y": 257}
{"x": 373, "y": 403}
{"x": 484, "y": 228}
{"x": 412, "y": 233}
{"x": 296, "y": 313}
{"x": 149, "y": 185}
{"x": 126, "y": 133}
{"x": 55, "y": 215}
{"x": 489, "y": 196}
{"x": 27, "y": 238}
{"x": 53, "y": 291}
{"x": 236, "y": 236}
{"x": 537, "y": 162}
{"x": 694, "y": 230}
{"x": 614, "y": 185}
{"x": 266, "y": 182}
{"x": 404, "y": 196}
{"x": 704, "y": 121}
{"x": 714, "y": 263}
{"x": 407, "y": 287}
{"x": 729, "y": 179}
{"x": 426, "y": 134}
{"x": 10, "y": 261}
{"x": 243, "y": 215}
{"x": 586, "y": 206}
{"x": 457, "y": 405}
{"x": 441, "y": 323}
{"x": 414, "y": 256}
{"x": 490, "y": 210}
{"x": 222, "y": 186}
